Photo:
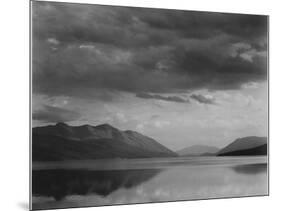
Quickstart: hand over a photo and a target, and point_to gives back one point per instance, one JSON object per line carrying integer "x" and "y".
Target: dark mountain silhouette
{"x": 251, "y": 145}
{"x": 64, "y": 142}
{"x": 260, "y": 150}
{"x": 198, "y": 150}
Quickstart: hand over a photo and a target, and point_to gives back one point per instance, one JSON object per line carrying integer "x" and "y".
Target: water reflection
{"x": 61, "y": 183}
{"x": 250, "y": 168}
{"x": 147, "y": 181}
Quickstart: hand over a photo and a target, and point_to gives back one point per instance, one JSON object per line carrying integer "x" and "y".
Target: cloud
{"x": 154, "y": 116}
{"x": 53, "y": 41}
{"x": 161, "y": 124}
{"x": 96, "y": 23}
{"x": 160, "y": 97}
{"x": 101, "y": 49}
{"x": 55, "y": 114}
{"x": 203, "y": 99}
{"x": 251, "y": 85}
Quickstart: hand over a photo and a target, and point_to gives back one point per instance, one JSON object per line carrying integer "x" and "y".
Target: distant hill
{"x": 251, "y": 145}
{"x": 64, "y": 142}
{"x": 260, "y": 150}
{"x": 198, "y": 150}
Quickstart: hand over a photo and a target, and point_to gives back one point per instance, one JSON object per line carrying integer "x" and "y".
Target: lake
{"x": 125, "y": 181}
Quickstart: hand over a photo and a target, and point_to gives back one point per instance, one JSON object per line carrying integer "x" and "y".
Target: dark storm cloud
{"x": 87, "y": 50}
{"x": 159, "y": 97}
{"x": 202, "y": 99}
{"x": 55, "y": 114}
{"x": 86, "y": 23}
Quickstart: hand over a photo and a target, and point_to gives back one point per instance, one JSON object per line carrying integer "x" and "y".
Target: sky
{"x": 181, "y": 77}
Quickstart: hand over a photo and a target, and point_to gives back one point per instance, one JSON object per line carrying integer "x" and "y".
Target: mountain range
{"x": 198, "y": 150}
{"x": 64, "y": 142}
{"x": 247, "y": 146}
{"x": 251, "y": 145}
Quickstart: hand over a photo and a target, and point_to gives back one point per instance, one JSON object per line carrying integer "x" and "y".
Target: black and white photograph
{"x": 135, "y": 105}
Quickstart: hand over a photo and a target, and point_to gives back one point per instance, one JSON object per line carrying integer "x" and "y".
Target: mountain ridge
{"x": 250, "y": 145}
{"x": 198, "y": 150}
{"x": 62, "y": 142}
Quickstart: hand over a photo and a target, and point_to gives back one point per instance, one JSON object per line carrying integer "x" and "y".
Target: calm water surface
{"x": 107, "y": 182}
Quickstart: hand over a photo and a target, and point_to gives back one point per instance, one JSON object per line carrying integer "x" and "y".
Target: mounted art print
{"x": 139, "y": 105}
